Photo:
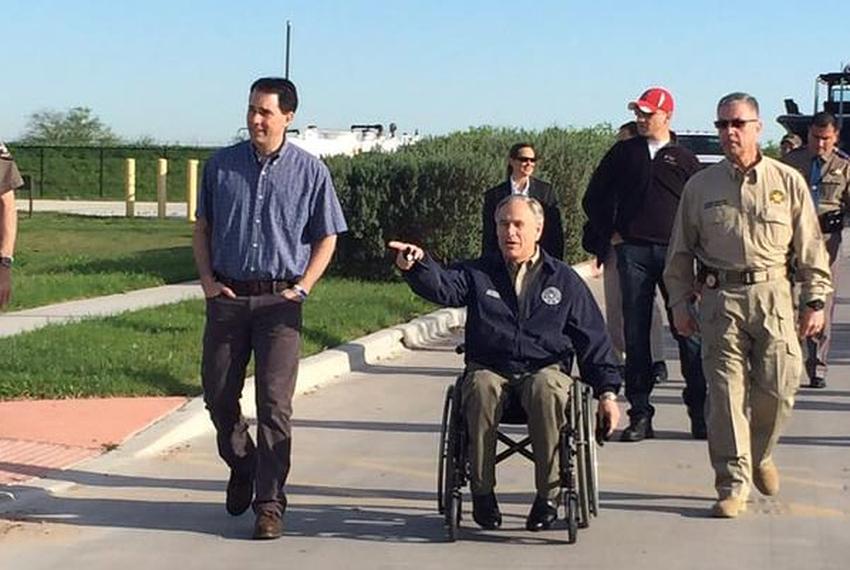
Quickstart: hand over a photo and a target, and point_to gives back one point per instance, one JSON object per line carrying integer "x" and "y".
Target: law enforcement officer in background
{"x": 741, "y": 220}
{"x": 789, "y": 143}
{"x": 10, "y": 180}
{"x": 827, "y": 170}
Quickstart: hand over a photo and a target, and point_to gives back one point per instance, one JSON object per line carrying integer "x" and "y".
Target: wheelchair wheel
{"x": 453, "y": 515}
{"x": 571, "y": 512}
{"x": 443, "y": 449}
{"x": 580, "y": 447}
{"x": 592, "y": 459}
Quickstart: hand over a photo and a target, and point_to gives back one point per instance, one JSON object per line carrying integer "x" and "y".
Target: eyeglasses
{"x": 721, "y": 124}
{"x": 524, "y": 159}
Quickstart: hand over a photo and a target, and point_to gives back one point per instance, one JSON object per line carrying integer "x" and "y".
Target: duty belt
{"x": 713, "y": 278}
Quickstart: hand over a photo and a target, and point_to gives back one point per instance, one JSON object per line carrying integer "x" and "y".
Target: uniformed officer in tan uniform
{"x": 740, "y": 221}
{"x": 10, "y": 179}
{"x": 827, "y": 170}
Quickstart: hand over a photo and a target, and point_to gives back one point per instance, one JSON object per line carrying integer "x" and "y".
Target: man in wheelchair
{"x": 528, "y": 315}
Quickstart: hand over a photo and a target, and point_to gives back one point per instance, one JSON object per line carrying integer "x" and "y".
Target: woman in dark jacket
{"x": 521, "y": 162}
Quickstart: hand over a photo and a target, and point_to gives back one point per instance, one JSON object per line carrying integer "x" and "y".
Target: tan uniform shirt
{"x": 10, "y": 178}
{"x": 737, "y": 221}
{"x": 524, "y": 274}
{"x": 834, "y": 182}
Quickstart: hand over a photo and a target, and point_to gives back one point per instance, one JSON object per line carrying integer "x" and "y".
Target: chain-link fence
{"x": 97, "y": 173}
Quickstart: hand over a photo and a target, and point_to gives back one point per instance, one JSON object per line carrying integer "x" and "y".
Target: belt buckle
{"x": 749, "y": 277}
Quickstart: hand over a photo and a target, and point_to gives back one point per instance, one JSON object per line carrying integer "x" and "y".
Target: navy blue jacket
{"x": 559, "y": 319}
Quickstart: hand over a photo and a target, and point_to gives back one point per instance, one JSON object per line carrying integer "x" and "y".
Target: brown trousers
{"x": 268, "y": 326}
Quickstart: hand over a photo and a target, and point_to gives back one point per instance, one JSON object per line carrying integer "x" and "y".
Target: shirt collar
{"x": 515, "y": 189}
{"x": 752, "y": 175}
{"x": 529, "y": 263}
{"x": 271, "y": 158}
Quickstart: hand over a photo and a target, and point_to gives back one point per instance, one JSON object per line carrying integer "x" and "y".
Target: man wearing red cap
{"x": 631, "y": 203}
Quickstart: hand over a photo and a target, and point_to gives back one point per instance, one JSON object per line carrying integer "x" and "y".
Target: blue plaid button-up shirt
{"x": 264, "y": 214}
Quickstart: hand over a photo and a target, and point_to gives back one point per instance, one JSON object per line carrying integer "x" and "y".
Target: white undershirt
{"x": 654, "y": 146}
{"x": 516, "y": 189}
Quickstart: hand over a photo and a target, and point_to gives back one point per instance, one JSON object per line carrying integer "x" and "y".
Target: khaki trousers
{"x": 752, "y": 362}
{"x": 543, "y": 395}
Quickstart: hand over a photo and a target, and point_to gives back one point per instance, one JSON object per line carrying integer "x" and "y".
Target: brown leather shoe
{"x": 766, "y": 478}
{"x": 268, "y": 526}
{"x": 729, "y": 508}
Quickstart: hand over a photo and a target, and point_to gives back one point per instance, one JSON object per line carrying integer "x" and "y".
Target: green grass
{"x": 157, "y": 352}
{"x": 63, "y": 257}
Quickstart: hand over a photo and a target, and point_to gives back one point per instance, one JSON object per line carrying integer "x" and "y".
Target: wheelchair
{"x": 577, "y": 457}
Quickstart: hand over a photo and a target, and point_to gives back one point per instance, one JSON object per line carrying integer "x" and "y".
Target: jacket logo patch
{"x": 492, "y": 293}
{"x": 670, "y": 159}
{"x": 777, "y": 196}
{"x": 551, "y": 295}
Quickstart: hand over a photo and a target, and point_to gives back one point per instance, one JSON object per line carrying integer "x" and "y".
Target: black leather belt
{"x": 254, "y": 288}
{"x": 713, "y": 278}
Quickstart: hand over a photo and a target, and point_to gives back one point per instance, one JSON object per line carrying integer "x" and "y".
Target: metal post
{"x": 161, "y": 187}
{"x": 191, "y": 188}
{"x": 41, "y": 172}
{"x": 288, "y": 32}
{"x": 130, "y": 188}
{"x": 100, "y": 182}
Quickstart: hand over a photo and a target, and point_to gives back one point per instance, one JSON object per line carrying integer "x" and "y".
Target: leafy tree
{"x": 76, "y": 126}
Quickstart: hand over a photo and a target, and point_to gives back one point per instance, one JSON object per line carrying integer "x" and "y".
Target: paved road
{"x": 362, "y": 492}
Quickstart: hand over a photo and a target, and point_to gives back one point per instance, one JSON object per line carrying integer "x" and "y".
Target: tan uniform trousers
{"x": 752, "y": 362}
{"x": 544, "y": 396}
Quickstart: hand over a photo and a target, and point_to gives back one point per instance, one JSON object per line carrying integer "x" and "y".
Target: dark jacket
{"x": 635, "y": 196}
{"x": 552, "y": 240}
{"x": 559, "y": 319}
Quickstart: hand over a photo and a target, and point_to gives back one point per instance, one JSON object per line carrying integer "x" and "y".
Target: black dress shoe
{"x": 543, "y": 513}
{"x": 639, "y": 428}
{"x": 240, "y": 491}
{"x": 817, "y": 382}
{"x": 485, "y": 511}
{"x": 268, "y": 526}
{"x": 698, "y": 428}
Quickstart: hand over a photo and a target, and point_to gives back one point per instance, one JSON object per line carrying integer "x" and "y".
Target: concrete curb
{"x": 191, "y": 420}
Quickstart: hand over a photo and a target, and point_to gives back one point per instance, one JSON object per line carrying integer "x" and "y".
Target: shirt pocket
{"x": 774, "y": 226}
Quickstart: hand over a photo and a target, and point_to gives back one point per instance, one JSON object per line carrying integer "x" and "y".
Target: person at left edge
{"x": 522, "y": 160}
{"x": 10, "y": 179}
{"x": 266, "y": 229}
{"x": 528, "y": 314}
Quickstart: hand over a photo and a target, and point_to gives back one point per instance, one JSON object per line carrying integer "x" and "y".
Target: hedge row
{"x": 429, "y": 193}
{"x": 432, "y": 193}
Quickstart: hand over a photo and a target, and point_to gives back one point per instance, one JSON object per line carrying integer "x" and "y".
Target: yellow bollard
{"x": 191, "y": 188}
{"x": 130, "y": 188}
{"x": 161, "y": 187}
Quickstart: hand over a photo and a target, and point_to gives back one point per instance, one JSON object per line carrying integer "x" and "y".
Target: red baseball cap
{"x": 652, "y": 100}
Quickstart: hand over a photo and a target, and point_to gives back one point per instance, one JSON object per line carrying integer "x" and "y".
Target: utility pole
{"x": 288, "y": 33}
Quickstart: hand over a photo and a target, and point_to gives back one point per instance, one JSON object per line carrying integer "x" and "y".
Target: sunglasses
{"x": 524, "y": 159}
{"x": 721, "y": 124}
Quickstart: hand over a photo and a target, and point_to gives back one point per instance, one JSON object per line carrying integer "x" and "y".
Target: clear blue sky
{"x": 179, "y": 70}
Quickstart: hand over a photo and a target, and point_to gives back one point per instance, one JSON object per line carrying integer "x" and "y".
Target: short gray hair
{"x": 533, "y": 204}
{"x": 739, "y": 97}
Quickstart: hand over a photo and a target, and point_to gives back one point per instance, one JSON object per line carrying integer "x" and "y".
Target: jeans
{"x": 640, "y": 267}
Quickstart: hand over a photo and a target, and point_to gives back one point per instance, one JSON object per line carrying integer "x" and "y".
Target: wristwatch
{"x": 816, "y": 304}
{"x": 6, "y": 261}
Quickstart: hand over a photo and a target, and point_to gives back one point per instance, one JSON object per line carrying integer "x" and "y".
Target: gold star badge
{"x": 777, "y": 196}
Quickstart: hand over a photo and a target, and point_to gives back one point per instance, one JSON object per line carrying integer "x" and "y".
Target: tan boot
{"x": 729, "y": 508}
{"x": 766, "y": 478}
